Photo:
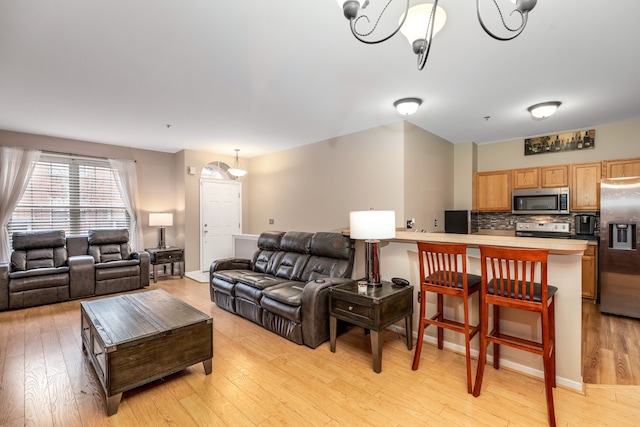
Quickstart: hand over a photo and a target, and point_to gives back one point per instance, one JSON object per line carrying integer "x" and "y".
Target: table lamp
{"x": 161, "y": 220}
{"x": 372, "y": 226}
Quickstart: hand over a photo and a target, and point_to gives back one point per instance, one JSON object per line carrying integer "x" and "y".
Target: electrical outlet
{"x": 271, "y": 221}
{"x": 435, "y": 223}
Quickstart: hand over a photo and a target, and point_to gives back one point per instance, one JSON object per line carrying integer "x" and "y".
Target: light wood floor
{"x": 261, "y": 379}
{"x": 611, "y": 348}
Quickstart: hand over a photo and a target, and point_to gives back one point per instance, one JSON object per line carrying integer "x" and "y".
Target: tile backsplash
{"x": 507, "y": 221}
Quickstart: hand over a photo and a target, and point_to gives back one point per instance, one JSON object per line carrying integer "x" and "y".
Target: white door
{"x": 220, "y": 217}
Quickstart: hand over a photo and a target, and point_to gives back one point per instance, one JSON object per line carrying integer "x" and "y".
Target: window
{"x": 72, "y": 194}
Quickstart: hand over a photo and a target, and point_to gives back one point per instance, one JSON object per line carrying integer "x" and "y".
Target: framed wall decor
{"x": 569, "y": 141}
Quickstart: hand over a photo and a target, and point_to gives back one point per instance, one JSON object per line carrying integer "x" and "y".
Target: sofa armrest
{"x": 315, "y": 309}
{"x": 145, "y": 266}
{"x": 82, "y": 278}
{"x": 230, "y": 264}
{"x": 4, "y": 286}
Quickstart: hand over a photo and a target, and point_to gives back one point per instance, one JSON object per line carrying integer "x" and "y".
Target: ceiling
{"x": 265, "y": 76}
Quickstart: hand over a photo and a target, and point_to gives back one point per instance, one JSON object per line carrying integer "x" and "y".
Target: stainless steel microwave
{"x": 541, "y": 201}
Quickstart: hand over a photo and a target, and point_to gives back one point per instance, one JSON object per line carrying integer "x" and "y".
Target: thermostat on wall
{"x": 191, "y": 170}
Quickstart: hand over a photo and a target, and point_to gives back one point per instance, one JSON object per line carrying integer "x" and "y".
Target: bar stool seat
{"x": 513, "y": 284}
{"x": 440, "y": 265}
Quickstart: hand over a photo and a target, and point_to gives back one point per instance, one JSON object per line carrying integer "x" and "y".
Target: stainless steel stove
{"x": 554, "y": 230}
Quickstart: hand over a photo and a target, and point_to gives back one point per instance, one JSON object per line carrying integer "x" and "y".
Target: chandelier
{"x": 412, "y": 23}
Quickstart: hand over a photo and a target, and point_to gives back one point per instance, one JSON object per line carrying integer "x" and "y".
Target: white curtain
{"x": 16, "y": 167}
{"x": 125, "y": 175}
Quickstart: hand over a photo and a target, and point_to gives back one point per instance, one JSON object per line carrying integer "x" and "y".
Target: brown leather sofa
{"x": 284, "y": 287}
{"x": 47, "y": 267}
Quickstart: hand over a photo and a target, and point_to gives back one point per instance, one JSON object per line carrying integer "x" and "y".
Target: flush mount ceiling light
{"x": 407, "y": 106}
{"x": 423, "y": 21}
{"x": 235, "y": 170}
{"x": 543, "y": 110}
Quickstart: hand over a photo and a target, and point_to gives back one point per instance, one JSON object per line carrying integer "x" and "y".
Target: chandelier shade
{"x": 235, "y": 170}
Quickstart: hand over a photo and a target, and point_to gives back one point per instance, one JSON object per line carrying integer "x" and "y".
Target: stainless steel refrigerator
{"x": 619, "y": 255}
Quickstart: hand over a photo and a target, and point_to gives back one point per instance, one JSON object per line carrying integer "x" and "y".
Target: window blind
{"x": 74, "y": 194}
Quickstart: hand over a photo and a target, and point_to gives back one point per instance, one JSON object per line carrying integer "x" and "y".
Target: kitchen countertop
{"x": 555, "y": 246}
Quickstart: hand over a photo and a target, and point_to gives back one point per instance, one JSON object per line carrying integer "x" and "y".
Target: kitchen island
{"x": 399, "y": 258}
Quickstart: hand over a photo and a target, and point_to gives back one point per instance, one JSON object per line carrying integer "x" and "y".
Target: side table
{"x": 376, "y": 309}
{"x": 170, "y": 255}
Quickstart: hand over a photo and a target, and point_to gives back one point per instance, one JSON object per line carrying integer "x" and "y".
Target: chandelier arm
{"x": 360, "y": 36}
{"x": 516, "y": 31}
{"x": 424, "y": 53}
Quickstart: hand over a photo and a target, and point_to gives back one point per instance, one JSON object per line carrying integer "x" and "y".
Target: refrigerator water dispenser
{"x": 622, "y": 236}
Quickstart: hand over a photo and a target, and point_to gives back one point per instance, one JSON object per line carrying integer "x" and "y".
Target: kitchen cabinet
{"x": 590, "y": 272}
{"x": 526, "y": 178}
{"x": 585, "y": 186}
{"x": 554, "y": 176}
{"x": 492, "y": 191}
{"x": 621, "y": 168}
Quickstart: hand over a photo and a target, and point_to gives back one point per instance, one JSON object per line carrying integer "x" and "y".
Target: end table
{"x": 379, "y": 307}
{"x": 170, "y": 255}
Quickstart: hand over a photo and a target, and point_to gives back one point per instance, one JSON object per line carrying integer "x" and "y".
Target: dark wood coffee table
{"x": 137, "y": 338}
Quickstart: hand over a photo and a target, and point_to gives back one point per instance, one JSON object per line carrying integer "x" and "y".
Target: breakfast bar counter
{"x": 399, "y": 258}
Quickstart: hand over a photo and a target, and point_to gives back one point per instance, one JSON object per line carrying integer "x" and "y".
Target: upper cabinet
{"x": 554, "y": 176}
{"x": 526, "y": 178}
{"x": 492, "y": 191}
{"x": 585, "y": 186}
{"x": 621, "y": 168}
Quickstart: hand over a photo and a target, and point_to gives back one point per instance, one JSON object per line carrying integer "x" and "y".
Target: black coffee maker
{"x": 585, "y": 225}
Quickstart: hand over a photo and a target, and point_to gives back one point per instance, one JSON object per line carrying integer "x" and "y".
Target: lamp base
{"x": 372, "y": 262}
{"x": 162, "y": 244}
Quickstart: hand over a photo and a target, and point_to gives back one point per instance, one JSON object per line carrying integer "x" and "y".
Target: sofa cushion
{"x": 291, "y": 266}
{"x": 289, "y": 312}
{"x": 332, "y": 245}
{"x": 289, "y": 293}
{"x": 37, "y": 272}
{"x": 24, "y": 240}
{"x": 319, "y": 267}
{"x": 270, "y": 240}
{"x": 296, "y": 241}
{"x": 28, "y": 281}
{"x": 260, "y": 281}
{"x": 117, "y": 270}
{"x": 263, "y": 260}
{"x": 230, "y": 276}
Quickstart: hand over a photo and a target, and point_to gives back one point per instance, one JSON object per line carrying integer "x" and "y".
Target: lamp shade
{"x": 372, "y": 225}
{"x": 160, "y": 220}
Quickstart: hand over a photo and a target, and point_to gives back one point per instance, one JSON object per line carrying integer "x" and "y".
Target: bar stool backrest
{"x": 509, "y": 274}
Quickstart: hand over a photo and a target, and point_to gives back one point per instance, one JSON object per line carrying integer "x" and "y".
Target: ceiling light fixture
{"x": 543, "y": 110}
{"x": 235, "y": 170}
{"x": 423, "y": 21}
{"x": 407, "y": 106}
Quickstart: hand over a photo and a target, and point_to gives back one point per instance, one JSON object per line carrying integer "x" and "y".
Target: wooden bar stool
{"x": 512, "y": 284}
{"x": 440, "y": 273}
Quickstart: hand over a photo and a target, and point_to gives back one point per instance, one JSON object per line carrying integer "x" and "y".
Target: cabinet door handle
{"x": 350, "y": 307}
